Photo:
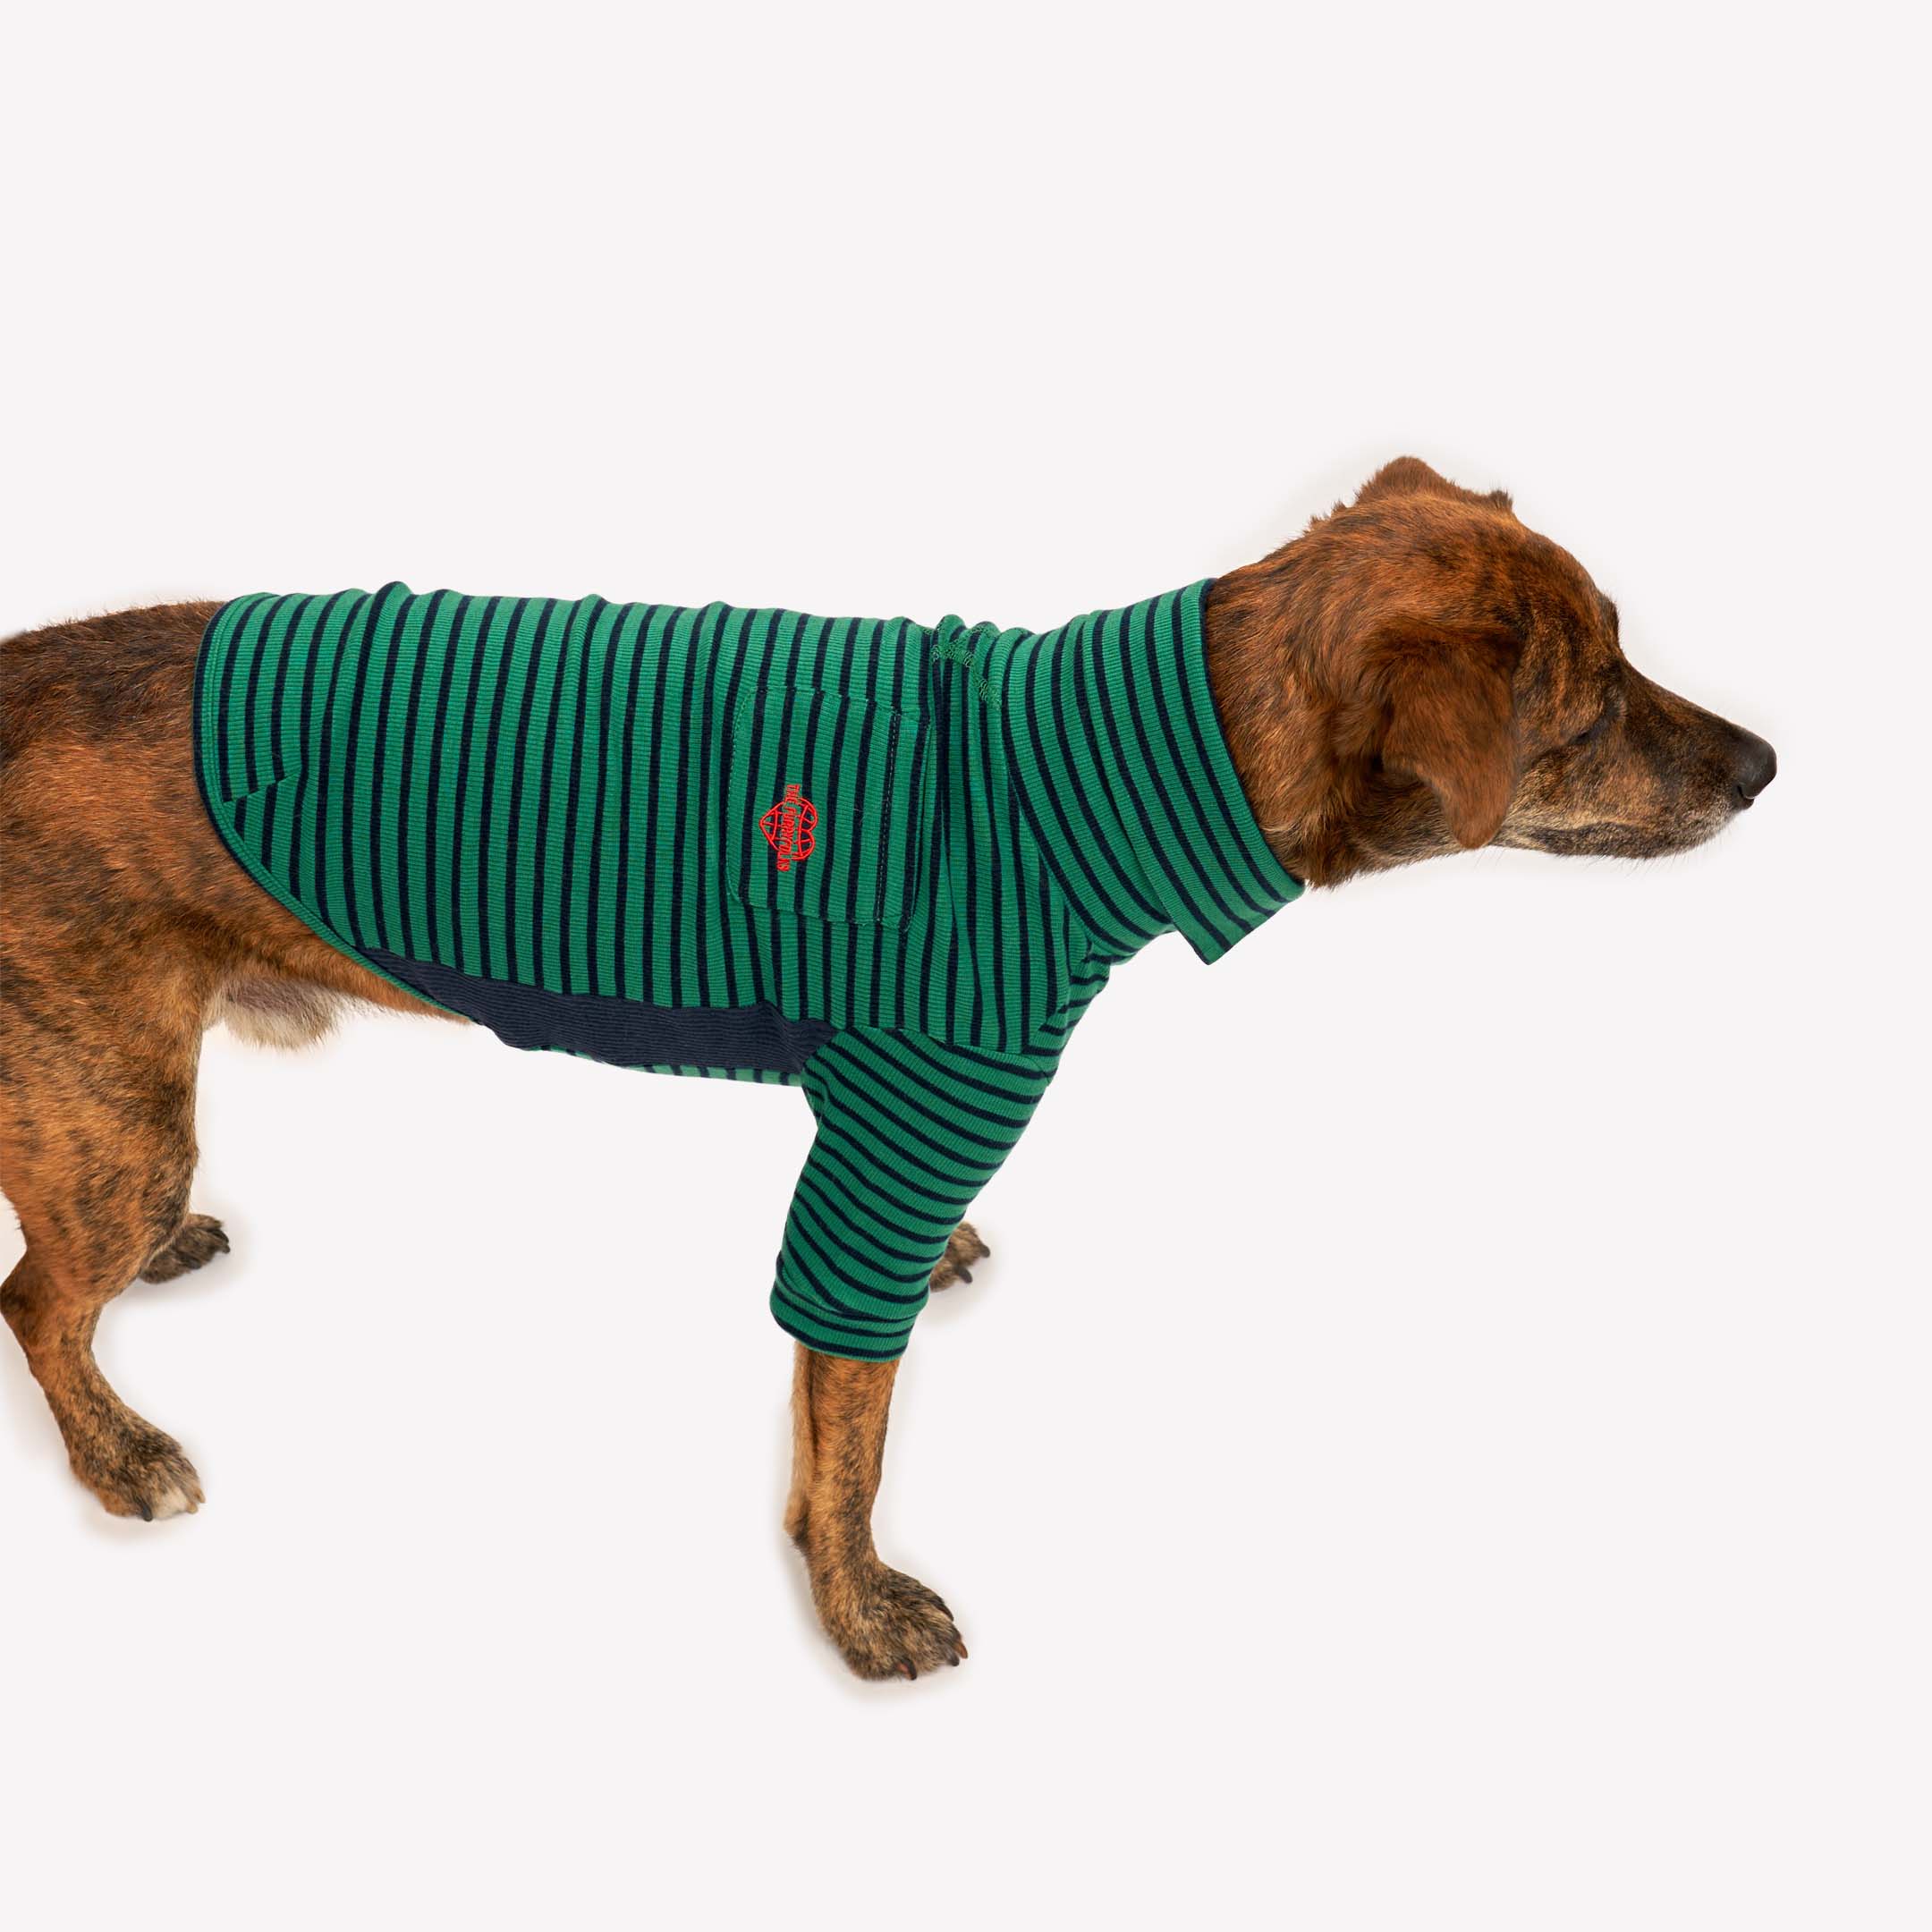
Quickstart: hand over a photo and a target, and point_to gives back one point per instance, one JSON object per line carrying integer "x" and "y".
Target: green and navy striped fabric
{"x": 887, "y": 862}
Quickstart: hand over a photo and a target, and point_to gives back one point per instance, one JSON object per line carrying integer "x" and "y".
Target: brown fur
{"x": 963, "y": 1248}
{"x": 1418, "y": 674}
{"x": 884, "y": 1623}
{"x": 1421, "y": 672}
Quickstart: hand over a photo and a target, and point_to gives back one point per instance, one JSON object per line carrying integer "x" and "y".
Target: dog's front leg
{"x": 885, "y": 1624}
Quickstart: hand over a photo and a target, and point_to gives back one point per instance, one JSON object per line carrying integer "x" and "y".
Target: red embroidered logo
{"x": 788, "y": 827}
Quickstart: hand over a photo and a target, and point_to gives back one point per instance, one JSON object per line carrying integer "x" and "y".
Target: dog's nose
{"x": 1752, "y": 768}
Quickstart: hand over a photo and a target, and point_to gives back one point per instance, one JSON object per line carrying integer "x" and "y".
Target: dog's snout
{"x": 1753, "y": 766}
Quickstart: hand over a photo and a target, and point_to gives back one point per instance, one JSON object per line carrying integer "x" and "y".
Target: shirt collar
{"x": 1125, "y": 774}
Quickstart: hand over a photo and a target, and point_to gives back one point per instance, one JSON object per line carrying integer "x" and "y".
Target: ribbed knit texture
{"x": 586, "y": 825}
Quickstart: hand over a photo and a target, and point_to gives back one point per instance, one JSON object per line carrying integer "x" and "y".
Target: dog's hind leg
{"x": 197, "y": 1242}
{"x": 96, "y": 1148}
{"x": 963, "y": 1248}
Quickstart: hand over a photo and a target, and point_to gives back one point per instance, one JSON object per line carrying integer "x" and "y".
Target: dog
{"x": 929, "y": 847}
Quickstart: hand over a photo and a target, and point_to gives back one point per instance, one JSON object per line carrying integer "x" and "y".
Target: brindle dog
{"x": 1418, "y": 674}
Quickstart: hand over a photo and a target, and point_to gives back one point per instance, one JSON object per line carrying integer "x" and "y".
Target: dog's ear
{"x": 1409, "y": 475}
{"x": 1451, "y": 719}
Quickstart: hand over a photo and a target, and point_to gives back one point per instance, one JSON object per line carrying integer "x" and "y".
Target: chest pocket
{"x": 824, "y": 797}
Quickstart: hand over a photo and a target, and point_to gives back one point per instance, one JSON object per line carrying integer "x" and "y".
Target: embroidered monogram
{"x": 788, "y": 828}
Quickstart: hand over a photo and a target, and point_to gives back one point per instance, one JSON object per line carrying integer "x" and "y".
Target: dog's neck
{"x": 1304, "y": 757}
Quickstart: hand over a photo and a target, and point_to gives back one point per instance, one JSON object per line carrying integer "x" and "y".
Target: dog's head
{"x": 1420, "y": 674}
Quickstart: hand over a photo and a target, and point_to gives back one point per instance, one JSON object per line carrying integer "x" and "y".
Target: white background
{"x": 1444, "y": 1439}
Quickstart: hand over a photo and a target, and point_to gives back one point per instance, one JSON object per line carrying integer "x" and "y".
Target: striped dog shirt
{"x": 888, "y": 863}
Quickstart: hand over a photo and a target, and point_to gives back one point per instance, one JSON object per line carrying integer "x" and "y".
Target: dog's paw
{"x": 136, "y": 1471}
{"x": 201, "y": 1238}
{"x": 888, "y": 1625}
{"x": 963, "y": 1248}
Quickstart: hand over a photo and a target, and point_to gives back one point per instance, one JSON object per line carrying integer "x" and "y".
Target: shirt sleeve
{"x": 909, "y": 1130}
